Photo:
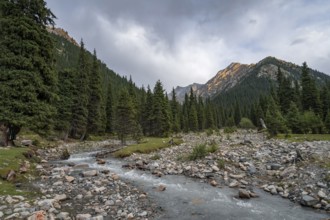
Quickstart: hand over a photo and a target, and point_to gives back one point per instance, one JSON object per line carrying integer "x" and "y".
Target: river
{"x": 188, "y": 199}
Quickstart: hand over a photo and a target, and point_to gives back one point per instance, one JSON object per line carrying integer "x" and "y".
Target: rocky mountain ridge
{"x": 62, "y": 33}
{"x": 236, "y": 75}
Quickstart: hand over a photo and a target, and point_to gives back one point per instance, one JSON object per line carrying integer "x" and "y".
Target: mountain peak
{"x": 61, "y": 32}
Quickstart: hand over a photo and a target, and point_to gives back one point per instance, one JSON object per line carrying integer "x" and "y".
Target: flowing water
{"x": 188, "y": 199}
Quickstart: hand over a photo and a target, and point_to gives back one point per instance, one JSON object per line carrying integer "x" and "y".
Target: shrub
{"x": 155, "y": 157}
{"x": 198, "y": 152}
{"x": 228, "y": 130}
{"x": 246, "y": 123}
{"x": 221, "y": 163}
{"x": 212, "y": 148}
{"x": 209, "y": 132}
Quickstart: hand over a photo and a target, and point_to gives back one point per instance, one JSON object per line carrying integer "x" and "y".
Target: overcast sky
{"x": 186, "y": 41}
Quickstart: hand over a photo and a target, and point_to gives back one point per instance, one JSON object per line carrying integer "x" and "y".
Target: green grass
{"x": 304, "y": 137}
{"x": 198, "y": 152}
{"x": 10, "y": 159}
{"x": 147, "y": 146}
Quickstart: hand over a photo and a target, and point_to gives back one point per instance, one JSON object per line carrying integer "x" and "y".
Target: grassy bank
{"x": 148, "y": 145}
{"x": 304, "y": 137}
{"x": 10, "y": 159}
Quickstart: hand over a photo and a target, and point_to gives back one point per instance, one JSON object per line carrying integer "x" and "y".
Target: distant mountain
{"x": 245, "y": 83}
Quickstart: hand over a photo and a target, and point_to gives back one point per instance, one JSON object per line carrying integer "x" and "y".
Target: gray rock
{"x": 26, "y": 142}
{"x": 321, "y": 194}
{"x": 61, "y": 197}
{"x": 251, "y": 169}
{"x": 143, "y": 214}
{"x": 90, "y": 173}
{"x": 275, "y": 166}
{"x": 83, "y": 217}
{"x": 1, "y": 214}
{"x": 12, "y": 216}
{"x": 99, "y": 217}
{"x": 308, "y": 200}
{"x": 234, "y": 183}
{"x": 243, "y": 194}
{"x": 46, "y": 204}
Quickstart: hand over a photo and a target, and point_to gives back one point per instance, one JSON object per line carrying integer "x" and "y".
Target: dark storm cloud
{"x": 180, "y": 42}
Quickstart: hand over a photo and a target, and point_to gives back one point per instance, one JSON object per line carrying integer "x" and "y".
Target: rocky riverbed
{"x": 243, "y": 161}
{"x": 248, "y": 160}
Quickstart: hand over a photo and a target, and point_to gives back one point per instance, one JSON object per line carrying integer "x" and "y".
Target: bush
{"x": 221, "y": 163}
{"x": 212, "y": 148}
{"x": 155, "y": 157}
{"x": 209, "y": 132}
{"x": 198, "y": 152}
{"x": 246, "y": 123}
{"x": 229, "y": 130}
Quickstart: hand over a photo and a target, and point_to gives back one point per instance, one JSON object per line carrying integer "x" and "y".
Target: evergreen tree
{"x": 274, "y": 119}
{"x": 160, "y": 112}
{"x": 126, "y": 123}
{"x": 80, "y": 110}
{"x": 109, "y": 110}
{"x": 312, "y": 123}
{"x": 309, "y": 94}
{"x": 293, "y": 119}
{"x": 237, "y": 114}
{"x": 327, "y": 122}
{"x": 95, "y": 98}
{"x": 147, "y": 113}
{"x": 175, "y": 110}
{"x": 27, "y": 77}
{"x": 200, "y": 114}
{"x": 325, "y": 100}
{"x": 192, "y": 115}
{"x": 209, "y": 115}
{"x": 64, "y": 104}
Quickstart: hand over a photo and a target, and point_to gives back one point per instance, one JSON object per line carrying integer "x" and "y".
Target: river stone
{"x": 308, "y": 200}
{"x": 63, "y": 215}
{"x": 100, "y": 161}
{"x": 130, "y": 216}
{"x": 69, "y": 179}
{"x": 161, "y": 188}
{"x": 143, "y": 214}
{"x": 83, "y": 216}
{"x": 275, "y": 166}
{"x": 251, "y": 169}
{"x": 81, "y": 166}
{"x": 215, "y": 168}
{"x": 234, "y": 183}
{"x": 238, "y": 176}
{"x": 26, "y": 142}
{"x": 243, "y": 194}
{"x": 99, "y": 217}
{"x": 12, "y": 216}
{"x": 288, "y": 171}
{"x": 46, "y": 204}
{"x": 321, "y": 194}
{"x": 213, "y": 183}
{"x": 90, "y": 173}
{"x": 61, "y": 197}
{"x": 1, "y": 214}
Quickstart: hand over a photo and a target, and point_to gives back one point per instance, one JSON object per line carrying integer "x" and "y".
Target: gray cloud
{"x": 186, "y": 41}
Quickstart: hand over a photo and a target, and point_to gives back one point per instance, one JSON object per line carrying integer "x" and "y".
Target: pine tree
{"x": 160, "y": 112}
{"x": 126, "y": 123}
{"x": 109, "y": 110}
{"x": 27, "y": 76}
{"x": 327, "y": 122}
{"x": 293, "y": 119}
{"x": 325, "y": 100}
{"x": 175, "y": 110}
{"x": 309, "y": 95}
{"x": 64, "y": 104}
{"x": 95, "y": 96}
{"x": 237, "y": 113}
{"x": 274, "y": 119}
{"x": 147, "y": 114}
{"x": 200, "y": 114}
{"x": 80, "y": 110}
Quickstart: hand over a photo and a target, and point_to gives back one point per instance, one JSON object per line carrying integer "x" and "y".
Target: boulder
{"x": 308, "y": 200}
{"x": 213, "y": 183}
{"x": 244, "y": 194}
{"x": 321, "y": 194}
{"x": 39, "y": 215}
{"x": 275, "y": 166}
{"x": 27, "y": 143}
{"x": 161, "y": 188}
{"x": 100, "y": 161}
{"x": 234, "y": 183}
{"x": 89, "y": 173}
{"x": 69, "y": 179}
{"x": 61, "y": 197}
{"x": 83, "y": 216}
{"x": 11, "y": 175}
{"x": 238, "y": 176}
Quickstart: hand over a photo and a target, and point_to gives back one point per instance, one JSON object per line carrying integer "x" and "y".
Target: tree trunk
{"x": 9, "y": 132}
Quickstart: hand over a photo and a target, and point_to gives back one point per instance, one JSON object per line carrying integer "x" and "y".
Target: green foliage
{"x": 221, "y": 164}
{"x": 27, "y": 76}
{"x": 246, "y": 123}
{"x": 150, "y": 144}
{"x": 212, "y": 148}
{"x": 126, "y": 123}
{"x": 274, "y": 119}
{"x": 327, "y": 122}
{"x": 209, "y": 132}
{"x": 155, "y": 157}
{"x": 198, "y": 152}
{"x": 293, "y": 119}
{"x": 312, "y": 123}
{"x": 229, "y": 130}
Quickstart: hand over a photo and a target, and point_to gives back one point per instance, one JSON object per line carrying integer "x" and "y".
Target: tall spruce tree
{"x": 274, "y": 119}
{"x": 27, "y": 77}
{"x": 126, "y": 123}
{"x": 175, "y": 110}
{"x": 309, "y": 95}
{"x": 95, "y": 98}
{"x": 64, "y": 104}
{"x": 160, "y": 112}
{"x": 147, "y": 113}
{"x": 80, "y": 110}
{"x": 109, "y": 110}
